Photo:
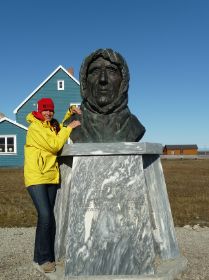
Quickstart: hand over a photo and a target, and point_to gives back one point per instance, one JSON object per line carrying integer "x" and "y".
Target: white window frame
{"x": 58, "y": 84}
{"x": 15, "y": 144}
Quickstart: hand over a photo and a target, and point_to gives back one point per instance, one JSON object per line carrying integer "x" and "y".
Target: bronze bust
{"x": 104, "y": 81}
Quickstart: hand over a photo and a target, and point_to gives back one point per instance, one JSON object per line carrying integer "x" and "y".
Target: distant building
{"x": 203, "y": 152}
{"x": 180, "y": 150}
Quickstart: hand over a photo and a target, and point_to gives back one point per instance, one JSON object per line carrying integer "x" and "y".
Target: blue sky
{"x": 165, "y": 43}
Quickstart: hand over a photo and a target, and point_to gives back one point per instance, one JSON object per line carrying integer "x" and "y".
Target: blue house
{"x": 12, "y": 140}
{"x": 62, "y": 87}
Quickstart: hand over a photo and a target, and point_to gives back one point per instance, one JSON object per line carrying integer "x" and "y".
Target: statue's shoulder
{"x": 136, "y": 127}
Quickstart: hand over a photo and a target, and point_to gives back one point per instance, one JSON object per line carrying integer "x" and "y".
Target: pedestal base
{"x": 112, "y": 211}
{"x": 168, "y": 270}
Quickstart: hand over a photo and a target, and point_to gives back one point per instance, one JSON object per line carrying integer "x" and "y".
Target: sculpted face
{"x": 103, "y": 82}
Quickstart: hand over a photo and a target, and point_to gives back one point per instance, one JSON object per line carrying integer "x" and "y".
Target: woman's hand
{"x": 75, "y": 110}
{"x": 74, "y": 124}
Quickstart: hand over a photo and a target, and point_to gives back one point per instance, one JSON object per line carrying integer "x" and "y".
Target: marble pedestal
{"x": 112, "y": 210}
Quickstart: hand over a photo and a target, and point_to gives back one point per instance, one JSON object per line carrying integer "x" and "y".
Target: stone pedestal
{"x": 112, "y": 211}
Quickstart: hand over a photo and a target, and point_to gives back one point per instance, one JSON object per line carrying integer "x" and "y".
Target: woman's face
{"x": 48, "y": 115}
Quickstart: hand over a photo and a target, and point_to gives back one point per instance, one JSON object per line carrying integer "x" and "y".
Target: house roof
{"x": 30, "y": 95}
{"x": 181, "y": 147}
{"x": 13, "y": 122}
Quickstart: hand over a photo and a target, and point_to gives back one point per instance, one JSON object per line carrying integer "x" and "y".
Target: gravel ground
{"x": 16, "y": 250}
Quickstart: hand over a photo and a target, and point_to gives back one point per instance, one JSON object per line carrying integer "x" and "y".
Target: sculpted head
{"x": 104, "y": 80}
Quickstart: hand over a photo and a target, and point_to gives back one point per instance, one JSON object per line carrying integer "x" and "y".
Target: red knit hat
{"x": 45, "y": 104}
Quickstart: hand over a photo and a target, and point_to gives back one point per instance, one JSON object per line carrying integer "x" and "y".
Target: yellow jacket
{"x": 42, "y": 145}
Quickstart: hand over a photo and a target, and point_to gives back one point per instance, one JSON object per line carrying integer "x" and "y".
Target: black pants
{"x": 43, "y": 197}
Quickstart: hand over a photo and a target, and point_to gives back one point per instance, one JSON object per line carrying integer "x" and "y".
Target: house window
{"x": 60, "y": 85}
{"x": 8, "y": 144}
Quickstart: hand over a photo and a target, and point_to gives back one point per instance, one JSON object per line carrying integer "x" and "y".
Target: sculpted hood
{"x": 122, "y": 100}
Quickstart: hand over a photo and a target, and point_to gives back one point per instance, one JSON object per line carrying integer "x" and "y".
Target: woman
{"x": 45, "y": 137}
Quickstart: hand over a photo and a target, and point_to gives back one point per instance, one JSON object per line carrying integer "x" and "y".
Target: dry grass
{"x": 187, "y": 183}
{"x": 188, "y": 189}
{"x": 16, "y": 208}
